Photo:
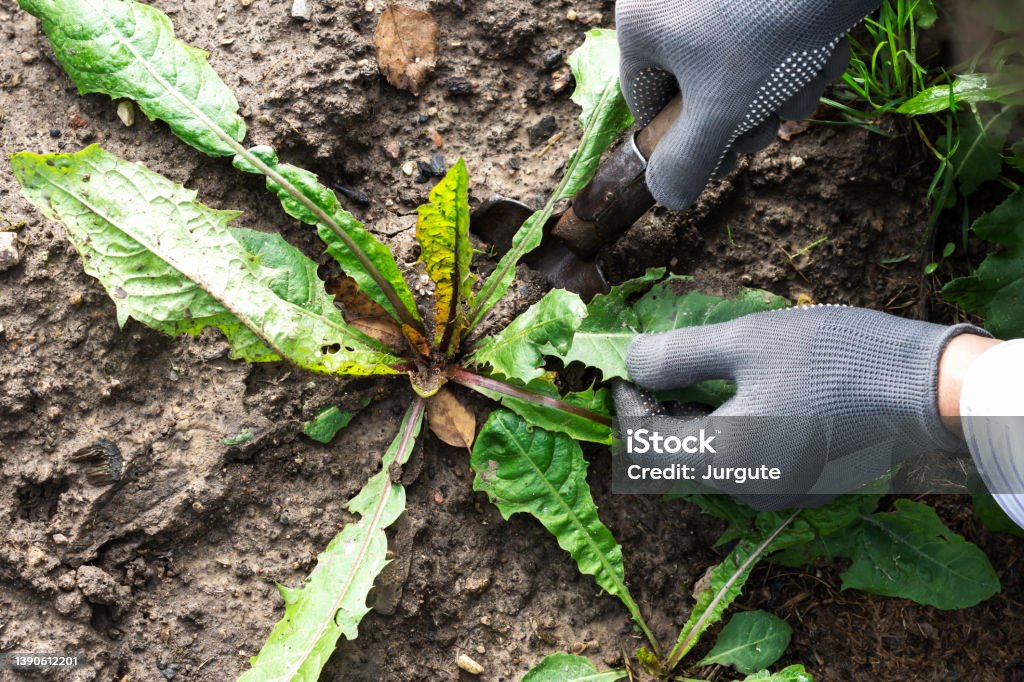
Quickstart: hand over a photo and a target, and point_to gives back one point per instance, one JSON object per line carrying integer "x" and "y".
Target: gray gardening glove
{"x": 875, "y": 377}
{"x": 740, "y": 64}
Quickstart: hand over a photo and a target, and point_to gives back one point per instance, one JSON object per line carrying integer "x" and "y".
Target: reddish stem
{"x": 478, "y": 381}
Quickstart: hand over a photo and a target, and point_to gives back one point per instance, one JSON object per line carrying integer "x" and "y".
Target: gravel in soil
{"x": 168, "y": 572}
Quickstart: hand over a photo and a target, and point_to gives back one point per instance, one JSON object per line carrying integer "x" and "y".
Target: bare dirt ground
{"x": 169, "y": 574}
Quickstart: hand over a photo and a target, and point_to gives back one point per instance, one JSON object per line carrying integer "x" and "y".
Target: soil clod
{"x": 458, "y": 86}
{"x": 541, "y": 131}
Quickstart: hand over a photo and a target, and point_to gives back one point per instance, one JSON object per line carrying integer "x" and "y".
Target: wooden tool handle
{"x": 617, "y": 196}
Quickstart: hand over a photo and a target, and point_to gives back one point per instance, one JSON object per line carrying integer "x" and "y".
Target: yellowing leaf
{"x": 451, "y": 420}
{"x": 406, "y": 44}
{"x": 443, "y": 233}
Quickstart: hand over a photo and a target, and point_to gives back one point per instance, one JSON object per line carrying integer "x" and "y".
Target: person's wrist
{"x": 957, "y": 358}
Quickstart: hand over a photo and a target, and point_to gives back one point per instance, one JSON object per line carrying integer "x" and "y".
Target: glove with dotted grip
{"x": 861, "y": 366}
{"x": 740, "y": 64}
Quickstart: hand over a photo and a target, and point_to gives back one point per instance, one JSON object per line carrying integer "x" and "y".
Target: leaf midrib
{"x": 385, "y": 287}
{"x": 602, "y": 559}
{"x": 408, "y": 428}
{"x": 198, "y": 281}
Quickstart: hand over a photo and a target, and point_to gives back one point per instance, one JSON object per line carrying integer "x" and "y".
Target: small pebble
{"x": 469, "y": 665}
{"x": 60, "y": 539}
{"x": 126, "y": 112}
{"x": 301, "y": 10}
{"x": 28, "y": 57}
{"x": 409, "y": 167}
{"x": 55, "y": 133}
{"x": 571, "y": 15}
{"x": 9, "y": 256}
{"x": 426, "y": 171}
{"x": 368, "y": 7}
{"x": 797, "y": 162}
{"x": 244, "y": 3}
{"x": 393, "y": 150}
{"x": 553, "y": 59}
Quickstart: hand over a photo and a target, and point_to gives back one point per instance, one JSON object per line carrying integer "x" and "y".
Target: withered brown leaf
{"x": 406, "y": 44}
{"x": 365, "y": 314}
{"x": 451, "y": 420}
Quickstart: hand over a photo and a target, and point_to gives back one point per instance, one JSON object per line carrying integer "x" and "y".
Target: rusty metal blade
{"x": 496, "y": 222}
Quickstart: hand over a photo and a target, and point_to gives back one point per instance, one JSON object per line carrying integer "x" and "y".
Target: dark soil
{"x": 169, "y": 573}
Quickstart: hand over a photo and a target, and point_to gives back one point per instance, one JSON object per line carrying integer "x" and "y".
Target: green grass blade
{"x": 175, "y": 265}
{"x": 332, "y": 600}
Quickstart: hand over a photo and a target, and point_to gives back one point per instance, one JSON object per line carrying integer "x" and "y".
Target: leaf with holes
{"x": 547, "y": 327}
{"x": 362, "y": 263}
{"x": 126, "y": 49}
{"x": 175, "y": 265}
{"x": 332, "y": 600}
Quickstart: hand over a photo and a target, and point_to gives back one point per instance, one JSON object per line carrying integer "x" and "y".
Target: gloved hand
{"x": 740, "y": 64}
{"x": 859, "y": 366}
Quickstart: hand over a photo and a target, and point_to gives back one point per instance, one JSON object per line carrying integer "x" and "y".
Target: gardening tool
{"x": 614, "y": 199}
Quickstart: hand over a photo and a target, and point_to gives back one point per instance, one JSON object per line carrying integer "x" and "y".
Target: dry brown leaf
{"x": 385, "y": 331}
{"x": 365, "y": 314}
{"x": 451, "y": 420}
{"x": 406, "y": 44}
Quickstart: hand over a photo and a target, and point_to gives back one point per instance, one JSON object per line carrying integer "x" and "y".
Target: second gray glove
{"x": 739, "y": 64}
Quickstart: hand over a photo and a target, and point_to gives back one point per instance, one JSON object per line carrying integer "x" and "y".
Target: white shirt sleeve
{"x": 994, "y": 387}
